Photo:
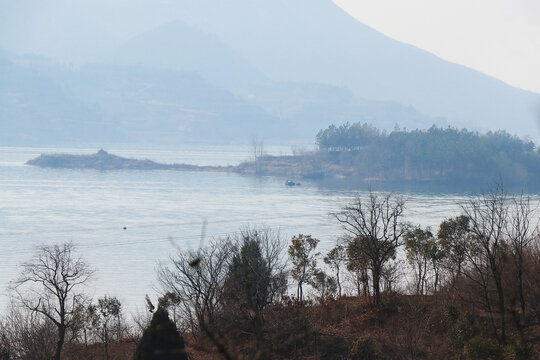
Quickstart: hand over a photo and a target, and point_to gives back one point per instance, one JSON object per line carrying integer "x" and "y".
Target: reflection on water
{"x": 91, "y": 208}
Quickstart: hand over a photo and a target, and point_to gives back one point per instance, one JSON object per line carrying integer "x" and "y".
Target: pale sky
{"x": 500, "y": 38}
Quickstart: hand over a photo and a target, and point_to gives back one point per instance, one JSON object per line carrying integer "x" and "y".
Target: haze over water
{"x": 91, "y": 208}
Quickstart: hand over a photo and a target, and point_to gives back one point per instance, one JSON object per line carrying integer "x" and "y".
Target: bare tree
{"x": 199, "y": 285}
{"x": 521, "y": 234}
{"x": 257, "y": 149}
{"x": 49, "y": 285}
{"x": 489, "y": 220}
{"x": 375, "y": 223}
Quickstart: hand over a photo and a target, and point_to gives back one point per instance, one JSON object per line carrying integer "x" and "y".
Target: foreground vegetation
{"x": 386, "y": 290}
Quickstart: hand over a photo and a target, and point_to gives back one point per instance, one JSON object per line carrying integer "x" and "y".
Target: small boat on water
{"x": 291, "y": 183}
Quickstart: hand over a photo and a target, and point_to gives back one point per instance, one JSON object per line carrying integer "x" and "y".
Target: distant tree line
{"x": 432, "y": 154}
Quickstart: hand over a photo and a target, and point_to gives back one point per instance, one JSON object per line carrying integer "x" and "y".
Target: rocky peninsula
{"x": 102, "y": 160}
{"x": 291, "y": 167}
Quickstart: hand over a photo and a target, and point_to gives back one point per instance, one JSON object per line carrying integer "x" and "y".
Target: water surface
{"x": 91, "y": 208}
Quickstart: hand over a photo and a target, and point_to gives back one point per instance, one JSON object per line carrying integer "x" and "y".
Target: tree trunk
{"x": 376, "y": 271}
{"x": 419, "y": 280}
{"x": 106, "y": 343}
{"x": 258, "y": 327}
{"x": 521, "y": 296}
{"x": 60, "y": 343}
{"x": 338, "y": 282}
{"x": 502, "y": 310}
{"x": 435, "y": 285}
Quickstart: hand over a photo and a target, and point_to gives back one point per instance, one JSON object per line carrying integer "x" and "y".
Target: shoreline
{"x": 310, "y": 167}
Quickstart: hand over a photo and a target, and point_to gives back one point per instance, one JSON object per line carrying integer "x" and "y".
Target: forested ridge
{"x": 432, "y": 154}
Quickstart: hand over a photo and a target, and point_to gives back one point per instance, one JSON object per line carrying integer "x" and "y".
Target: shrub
{"x": 335, "y": 347}
{"x": 479, "y": 348}
{"x": 365, "y": 348}
{"x": 520, "y": 350}
{"x": 462, "y": 330}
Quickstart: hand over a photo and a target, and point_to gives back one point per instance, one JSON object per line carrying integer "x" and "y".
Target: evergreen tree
{"x": 161, "y": 340}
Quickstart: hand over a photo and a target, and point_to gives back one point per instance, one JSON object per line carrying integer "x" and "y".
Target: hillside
{"x": 224, "y": 72}
{"x": 43, "y": 102}
{"x": 46, "y": 102}
{"x": 178, "y": 46}
{"x": 35, "y": 108}
{"x": 316, "y": 41}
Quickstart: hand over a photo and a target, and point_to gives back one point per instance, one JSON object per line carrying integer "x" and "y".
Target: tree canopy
{"x": 434, "y": 153}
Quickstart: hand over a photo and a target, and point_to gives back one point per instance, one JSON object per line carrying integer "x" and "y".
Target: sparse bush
{"x": 334, "y": 348}
{"x": 451, "y": 313}
{"x": 520, "y": 350}
{"x": 5, "y": 348}
{"x": 479, "y": 348}
{"x": 290, "y": 331}
{"x": 461, "y": 330}
{"x": 325, "y": 285}
{"x": 25, "y": 335}
{"x": 365, "y": 348}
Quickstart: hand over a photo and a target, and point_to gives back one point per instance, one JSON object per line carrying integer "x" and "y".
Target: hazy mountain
{"x": 316, "y": 41}
{"x": 180, "y": 47}
{"x": 312, "y": 106}
{"x": 44, "y": 103}
{"x": 228, "y": 70}
{"x": 35, "y": 109}
{"x": 157, "y": 105}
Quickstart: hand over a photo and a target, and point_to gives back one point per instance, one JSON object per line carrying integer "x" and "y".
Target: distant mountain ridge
{"x": 316, "y": 41}
{"x": 128, "y": 103}
{"x": 228, "y": 71}
{"x": 46, "y": 103}
{"x": 177, "y": 46}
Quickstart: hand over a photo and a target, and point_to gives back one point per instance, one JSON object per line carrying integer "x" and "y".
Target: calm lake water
{"x": 91, "y": 208}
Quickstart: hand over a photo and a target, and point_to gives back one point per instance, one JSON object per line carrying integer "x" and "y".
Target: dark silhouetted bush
{"x": 161, "y": 340}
